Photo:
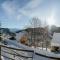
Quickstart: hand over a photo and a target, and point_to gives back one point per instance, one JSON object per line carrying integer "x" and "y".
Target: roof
{"x": 56, "y": 39}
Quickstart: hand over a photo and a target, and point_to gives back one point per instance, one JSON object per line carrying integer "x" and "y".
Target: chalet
{"x": 55, "y": 43}
{"x": 37, "y": 36}
{"x": 33, "y": 36}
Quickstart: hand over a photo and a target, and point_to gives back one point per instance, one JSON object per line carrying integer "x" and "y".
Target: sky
{"x": 18, "y": 13}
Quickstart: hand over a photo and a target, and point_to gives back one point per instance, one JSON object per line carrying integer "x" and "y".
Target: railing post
{"x": 0, "y": 52}
{"x": 33, "y": 55}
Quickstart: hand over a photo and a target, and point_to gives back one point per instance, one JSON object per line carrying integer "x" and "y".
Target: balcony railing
{"x": 15, "y": 54}
{"x": 12, "y": 53}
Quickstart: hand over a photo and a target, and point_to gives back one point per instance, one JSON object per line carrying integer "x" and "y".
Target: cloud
{"x": 9, "y": 7}
{"x": 34, "y": 8}
{"x": 28, "y": 10}
{"x": 33, "y": 4}
{"x": 11, "y": 10}
{"x": 30, "y": 7}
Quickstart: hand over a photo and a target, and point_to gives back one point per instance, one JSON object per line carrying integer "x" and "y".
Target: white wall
{"x": 56, "y": 39}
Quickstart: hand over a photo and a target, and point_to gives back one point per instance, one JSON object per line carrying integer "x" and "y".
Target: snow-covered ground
{"x": 40, "y": 48}
{"x": 5, "y": 51}
{"x": 16, "y": 54}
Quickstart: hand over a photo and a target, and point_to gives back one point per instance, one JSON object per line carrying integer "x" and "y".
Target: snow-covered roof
{"x": 56, "y": 39}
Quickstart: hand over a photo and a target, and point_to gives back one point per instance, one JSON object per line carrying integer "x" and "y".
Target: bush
{"x": 23, "y": 40}
{"x": 54, "y": 49}
{"x": 12, "y": 38}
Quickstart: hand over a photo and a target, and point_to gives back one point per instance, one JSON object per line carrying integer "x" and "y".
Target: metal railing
{"x": 15, "y": 53}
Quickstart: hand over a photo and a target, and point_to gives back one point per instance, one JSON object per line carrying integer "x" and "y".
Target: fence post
{"x": 0, "y": 52}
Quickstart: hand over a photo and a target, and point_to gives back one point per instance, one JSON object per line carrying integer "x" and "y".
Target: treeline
{"x": 55, "y": 29}
{"x": 4, "y": 32}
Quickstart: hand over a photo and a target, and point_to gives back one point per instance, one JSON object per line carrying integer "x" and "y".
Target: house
{"x": 55, "y": 43}
{"x": 37, "y": 36}
{"x": 33, "y": 36}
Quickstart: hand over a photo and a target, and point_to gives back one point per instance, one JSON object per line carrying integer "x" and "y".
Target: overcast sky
{"x": 18, "y": 13}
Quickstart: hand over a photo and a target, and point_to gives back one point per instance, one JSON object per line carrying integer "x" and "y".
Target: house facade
{"x": 55, "y": 43}
{"x": 37, "y": 36}
{"x": 33, "y": 36}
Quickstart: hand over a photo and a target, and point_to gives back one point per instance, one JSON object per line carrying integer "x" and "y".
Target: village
{"x": 39, "y": 38}
{"x": 29, "y": 29}
{"x": 33, "y": 37}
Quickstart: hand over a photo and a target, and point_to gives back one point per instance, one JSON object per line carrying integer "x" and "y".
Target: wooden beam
{"x": 18, "y": 49}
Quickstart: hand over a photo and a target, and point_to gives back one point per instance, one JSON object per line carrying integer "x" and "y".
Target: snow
{"x": 17, "y": 45}
{"x": 47, "y": 53}
{"x": 2, "y": 58}
{"x": 56, "y": 39}
{"x": 44, "y": 49}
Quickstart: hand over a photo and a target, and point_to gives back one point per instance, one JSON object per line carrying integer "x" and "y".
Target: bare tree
{"x": 35, "y": 23}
